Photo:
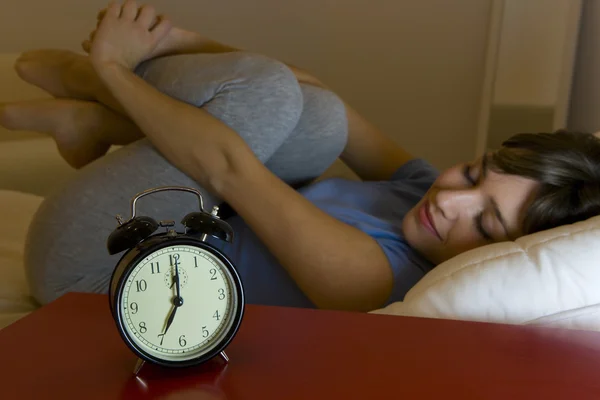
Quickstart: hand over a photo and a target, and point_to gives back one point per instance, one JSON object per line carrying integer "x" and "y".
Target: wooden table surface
{"x": 71, "y": 349}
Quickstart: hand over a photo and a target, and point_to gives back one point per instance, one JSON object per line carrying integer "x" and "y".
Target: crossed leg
{"x": 298, "y": 131}
{"x": 86, "y": 120}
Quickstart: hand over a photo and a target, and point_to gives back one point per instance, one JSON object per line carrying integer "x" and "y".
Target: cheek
{"x": 422, "y": 242}
{"x": 462, "y": 238}
{"x": 411, "y": 230}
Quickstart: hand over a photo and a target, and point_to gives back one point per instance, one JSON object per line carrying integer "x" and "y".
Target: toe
{"x": 24, "y": 68}
{"x": 28, "y": 55}
{"x": 86, "y": 45}
{"x": 29, "y": 62}
{"x": 34, "y": 55}
{"x": 147, "y": 16}
{"x": 130, "y": 10}
{"x": 8, "y": 116}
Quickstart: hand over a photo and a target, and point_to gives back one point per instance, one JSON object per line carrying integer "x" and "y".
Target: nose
{"x": 453, "y": 203}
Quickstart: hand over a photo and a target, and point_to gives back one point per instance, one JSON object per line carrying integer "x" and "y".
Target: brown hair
{"x": 567, "y": 167}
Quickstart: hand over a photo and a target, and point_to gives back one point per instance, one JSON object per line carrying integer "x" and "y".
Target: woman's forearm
{"x": 189, "y": 137}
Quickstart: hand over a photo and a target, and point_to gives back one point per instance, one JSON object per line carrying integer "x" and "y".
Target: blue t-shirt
{"x": 375, "y": 207}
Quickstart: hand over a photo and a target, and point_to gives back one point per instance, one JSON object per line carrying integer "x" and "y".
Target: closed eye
{"x": 481, "y": 229}
{"x": 479, "y": 219}
{"x": 467, "y": 175}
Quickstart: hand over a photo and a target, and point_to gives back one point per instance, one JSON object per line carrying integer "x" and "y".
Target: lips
{"x": 427, "y": 220}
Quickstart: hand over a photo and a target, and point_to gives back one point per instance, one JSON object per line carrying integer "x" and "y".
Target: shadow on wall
{"x": 508, "y": 119}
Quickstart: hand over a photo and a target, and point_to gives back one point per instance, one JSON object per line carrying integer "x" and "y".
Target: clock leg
{"x": 138, "y": 366}
{"x": 224, "y": 356}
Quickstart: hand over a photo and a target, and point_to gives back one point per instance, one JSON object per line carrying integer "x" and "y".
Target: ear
{"x": 204, "y": 223}
{"x": 130, "y": 234}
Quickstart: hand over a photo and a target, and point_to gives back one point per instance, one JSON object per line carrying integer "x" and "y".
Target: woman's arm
{"x": 335, "y": 264}
{"x": 371, "y": 154}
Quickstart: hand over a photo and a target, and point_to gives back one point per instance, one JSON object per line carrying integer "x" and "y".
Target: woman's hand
{"x": 127, "y": 35}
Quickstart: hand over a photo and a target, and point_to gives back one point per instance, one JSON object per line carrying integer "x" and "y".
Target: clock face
{"x": 178, "y": 303}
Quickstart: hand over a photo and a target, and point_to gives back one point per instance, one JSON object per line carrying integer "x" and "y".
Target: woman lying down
{"x": 252, "y": 132}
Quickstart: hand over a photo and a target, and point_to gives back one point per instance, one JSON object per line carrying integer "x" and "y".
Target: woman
{"x": 244, "y": 127}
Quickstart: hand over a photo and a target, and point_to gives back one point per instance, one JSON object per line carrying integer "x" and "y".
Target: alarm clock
{"x": 177, "y": 300}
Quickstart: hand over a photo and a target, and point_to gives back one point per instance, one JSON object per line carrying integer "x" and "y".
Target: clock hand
{"x": 178, "y": 288}
{"x": 177, "y": 302}
{"x": 171, "y": 318}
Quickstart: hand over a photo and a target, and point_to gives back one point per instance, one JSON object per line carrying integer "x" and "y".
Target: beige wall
{"x": 535, "y": 67}
{"x": 532, "y": 50}
{"x": 415, "y": 68}
{"x": 585, "y": 96}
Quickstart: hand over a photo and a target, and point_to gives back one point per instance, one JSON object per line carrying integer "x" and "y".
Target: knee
{"x": 242, "y": 77}
{"x": 263, "y": 81}
{"x": 259, "y": 69}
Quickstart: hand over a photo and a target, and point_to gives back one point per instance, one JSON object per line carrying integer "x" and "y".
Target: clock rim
{"x": 149, "y": 246}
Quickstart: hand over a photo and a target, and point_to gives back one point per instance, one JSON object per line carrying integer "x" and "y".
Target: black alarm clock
{"x": 177, "y": 300}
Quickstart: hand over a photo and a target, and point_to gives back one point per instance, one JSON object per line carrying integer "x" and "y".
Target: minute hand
{"x": 171, "y": 318}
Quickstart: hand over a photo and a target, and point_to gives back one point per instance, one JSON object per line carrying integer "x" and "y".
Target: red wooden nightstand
{"x": 71, "y": 349}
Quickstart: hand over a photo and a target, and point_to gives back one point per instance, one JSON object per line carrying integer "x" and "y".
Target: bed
{"x": 550, "y": 278}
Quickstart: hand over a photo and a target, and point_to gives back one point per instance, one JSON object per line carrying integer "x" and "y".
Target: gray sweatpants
{"x": 298, "y": 131}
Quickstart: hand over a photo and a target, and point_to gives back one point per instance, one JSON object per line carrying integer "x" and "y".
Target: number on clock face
{"x": 168, "y": 327}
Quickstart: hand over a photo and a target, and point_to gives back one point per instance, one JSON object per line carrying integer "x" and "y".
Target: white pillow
{"x": 550, "y": 277}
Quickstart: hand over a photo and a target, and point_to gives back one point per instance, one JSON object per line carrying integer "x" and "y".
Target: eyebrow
{"x": 484, "y": 171}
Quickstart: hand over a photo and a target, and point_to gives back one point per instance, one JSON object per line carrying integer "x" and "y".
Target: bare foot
{"x": 177, "y": 41}
{"x": 82, "y": 130}
{"x": 61, "y": 73}
{"x": 65, "y": 74}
